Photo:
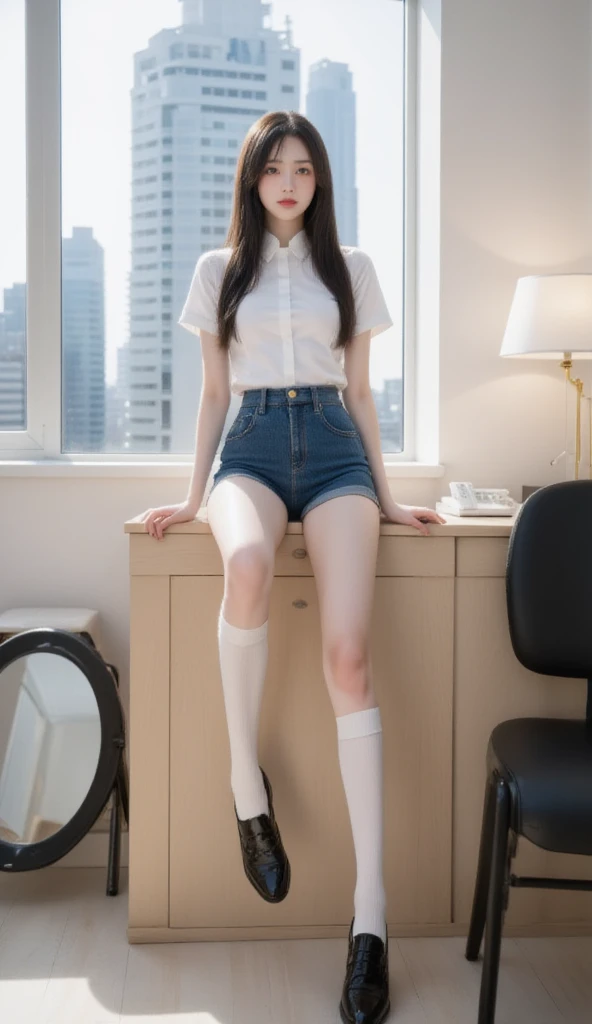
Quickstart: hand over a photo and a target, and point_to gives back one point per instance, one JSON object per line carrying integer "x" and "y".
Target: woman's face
{"x": 288, "y": 174}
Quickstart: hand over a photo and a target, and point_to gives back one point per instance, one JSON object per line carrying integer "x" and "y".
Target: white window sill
{"x": 101, "y": 467}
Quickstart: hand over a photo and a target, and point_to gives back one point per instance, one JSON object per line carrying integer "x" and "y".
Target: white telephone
{"x": 466, "y": 500}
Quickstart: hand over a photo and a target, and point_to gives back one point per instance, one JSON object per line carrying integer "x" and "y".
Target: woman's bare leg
{"x": 248, "y": 521}
{"x": 341, "y": 538}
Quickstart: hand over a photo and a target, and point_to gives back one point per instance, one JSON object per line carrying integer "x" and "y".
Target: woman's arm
{"x": 359, "y": 402}
{"x": 211, "y": 416}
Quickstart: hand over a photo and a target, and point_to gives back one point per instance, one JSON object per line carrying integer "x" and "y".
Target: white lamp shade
{"x": 551, "y": 314}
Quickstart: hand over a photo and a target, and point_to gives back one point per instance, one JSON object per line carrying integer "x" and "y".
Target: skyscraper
{"x": 197, "y": 89}
{"x": 331, "y": 106}
{"x": 13, "y": 359}
{"x": 83, "y": 343}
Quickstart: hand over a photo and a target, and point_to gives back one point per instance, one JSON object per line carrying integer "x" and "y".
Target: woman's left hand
{"x": 408, "y": 515}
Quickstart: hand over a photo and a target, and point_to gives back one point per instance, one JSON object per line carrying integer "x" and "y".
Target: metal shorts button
{"x": 292, "y": 393}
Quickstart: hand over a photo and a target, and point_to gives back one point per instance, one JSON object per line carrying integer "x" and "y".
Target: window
{"x": 13, "y": 285}
{"x": 114, "y": 217}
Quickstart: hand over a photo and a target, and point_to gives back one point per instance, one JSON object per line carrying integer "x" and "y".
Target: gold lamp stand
{"x": 566, "y": 365}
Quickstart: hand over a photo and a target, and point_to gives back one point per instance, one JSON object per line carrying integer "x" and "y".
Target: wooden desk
{"x": 444, "y": 675}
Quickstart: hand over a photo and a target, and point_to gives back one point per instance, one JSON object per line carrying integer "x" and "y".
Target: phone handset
{"x": 464, "y": 494}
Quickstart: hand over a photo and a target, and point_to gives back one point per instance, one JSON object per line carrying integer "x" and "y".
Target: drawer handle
{"x": 299, "y": 553}
{"x": 300, "y": 604}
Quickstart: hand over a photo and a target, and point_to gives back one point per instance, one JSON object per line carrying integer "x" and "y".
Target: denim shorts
{"x": 300, "y": 442}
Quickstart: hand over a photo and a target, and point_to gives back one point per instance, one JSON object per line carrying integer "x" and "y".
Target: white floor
{"x": 65, "y": 959}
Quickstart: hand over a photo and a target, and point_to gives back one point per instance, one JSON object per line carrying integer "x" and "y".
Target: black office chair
{"x": 539, "y": 770}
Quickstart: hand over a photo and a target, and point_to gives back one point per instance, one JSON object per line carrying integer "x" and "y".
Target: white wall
{"x": 515, "y": 199}
{"x": 516, "y": 180}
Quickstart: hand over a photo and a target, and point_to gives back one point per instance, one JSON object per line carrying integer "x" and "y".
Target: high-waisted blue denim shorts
{"x": 300, "y": 442}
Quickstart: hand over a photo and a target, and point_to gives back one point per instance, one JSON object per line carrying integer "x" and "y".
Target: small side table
{"x": 76, "y": 620}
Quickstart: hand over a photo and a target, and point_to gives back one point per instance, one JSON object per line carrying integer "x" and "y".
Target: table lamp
{"x": 551, "y": 318}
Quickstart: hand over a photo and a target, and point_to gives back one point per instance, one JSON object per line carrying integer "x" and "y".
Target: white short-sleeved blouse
{"x": 288, "y": 323}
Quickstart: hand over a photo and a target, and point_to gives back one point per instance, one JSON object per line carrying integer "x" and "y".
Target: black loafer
{"x": 264, "y": 858}
{"x": 365, "y": 996}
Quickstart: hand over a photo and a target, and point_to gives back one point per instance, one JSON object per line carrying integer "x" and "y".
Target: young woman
{"x": 290, "y": 312}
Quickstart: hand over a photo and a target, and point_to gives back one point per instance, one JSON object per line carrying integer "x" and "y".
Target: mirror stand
{"x": 119, "y": 807}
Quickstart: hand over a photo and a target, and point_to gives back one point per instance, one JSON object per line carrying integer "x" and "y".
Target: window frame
{"x": 410, "y": 75}
{"x": 40, "y": 442}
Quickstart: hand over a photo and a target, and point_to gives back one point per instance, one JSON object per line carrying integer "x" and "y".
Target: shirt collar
{"x": 299, "y": 245}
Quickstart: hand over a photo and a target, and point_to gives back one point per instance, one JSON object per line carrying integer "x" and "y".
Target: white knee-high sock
{"x": 243, "y": 664}
{"x": 360, "y": 758}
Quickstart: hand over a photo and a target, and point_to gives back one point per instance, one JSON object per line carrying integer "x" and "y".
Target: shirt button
{"x": 292, "y": 393}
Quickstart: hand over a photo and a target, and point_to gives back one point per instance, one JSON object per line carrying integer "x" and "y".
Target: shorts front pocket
{"x": 337, "y": 419}
{"x": 243, "y": 424}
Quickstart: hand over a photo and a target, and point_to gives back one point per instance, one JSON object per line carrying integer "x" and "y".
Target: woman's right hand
{"x": 157, "y": 520}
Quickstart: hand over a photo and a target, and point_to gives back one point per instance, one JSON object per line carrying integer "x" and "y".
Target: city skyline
{"x": 105, "y": 203}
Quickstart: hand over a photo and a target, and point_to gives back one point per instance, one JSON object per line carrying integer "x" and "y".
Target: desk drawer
{"x": 481, "y": 556}
{"x": 397, "y": 556}
{"x": 198, "y": 555}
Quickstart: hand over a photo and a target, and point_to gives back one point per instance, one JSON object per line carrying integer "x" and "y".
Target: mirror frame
{"x": 29, "y": 856}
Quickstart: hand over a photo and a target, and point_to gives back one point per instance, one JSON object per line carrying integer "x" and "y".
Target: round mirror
{"x": 50, "y": 740}
{"x": 61, "y": 743}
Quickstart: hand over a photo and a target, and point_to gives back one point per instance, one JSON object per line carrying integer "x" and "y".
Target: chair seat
{"x": 547, "y": 763}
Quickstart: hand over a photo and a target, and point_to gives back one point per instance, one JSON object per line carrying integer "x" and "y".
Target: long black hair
{"x": 247, "y": 226}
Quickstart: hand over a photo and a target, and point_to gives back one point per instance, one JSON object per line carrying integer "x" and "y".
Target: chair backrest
{"x": 549, "y": 581}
